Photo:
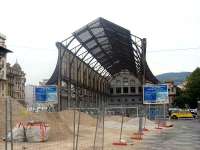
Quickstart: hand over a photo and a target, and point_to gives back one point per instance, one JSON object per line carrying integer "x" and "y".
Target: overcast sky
{"x": 172, "y": 29}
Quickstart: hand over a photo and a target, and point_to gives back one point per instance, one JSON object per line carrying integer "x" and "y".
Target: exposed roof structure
{"x": 109, "y": 43}
{"x": 114, "y": 47}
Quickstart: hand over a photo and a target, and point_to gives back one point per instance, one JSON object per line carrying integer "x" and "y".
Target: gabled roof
{"x": 109, "y": 43}
{"x": 114, "y": 47}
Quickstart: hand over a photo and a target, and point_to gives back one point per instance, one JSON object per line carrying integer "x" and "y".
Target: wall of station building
{"x": 82, "y": 74}
{"x": 125, "y": 89}
{"x": 81, "y": 84}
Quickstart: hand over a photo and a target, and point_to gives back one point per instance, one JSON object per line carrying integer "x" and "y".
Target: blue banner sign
{"x": 51, "y": 93}
{"x": 45, "y": 94}
{"x": 155, "y": 94}
{"x": 150, "y": 94}
{"x": 40, "y": 94}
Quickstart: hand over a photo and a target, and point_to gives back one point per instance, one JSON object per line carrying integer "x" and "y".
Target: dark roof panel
{"x": 5, "y": 50}
{"x": 103, "y": 38}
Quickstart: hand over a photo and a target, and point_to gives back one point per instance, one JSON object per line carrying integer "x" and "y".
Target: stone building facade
{"x": 3, "y": 54}
{"x": 125, "y": 89}
{"x": 171, "y": 91}
{"x": 2, "y": 40}
{"x": 12, "y": 78}
{"x": 15, "y": 81}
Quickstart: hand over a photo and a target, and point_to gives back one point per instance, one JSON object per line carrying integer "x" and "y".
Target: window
{"x": 125, "y": 89}
{"x": 132, "y": 82}
{"x": 118, "y": 90}
{"x": 132, "y": 89}
{"x": 118, "y": 100}
{"x": 125, "y": 81}
{"x": 133, "y": 100}
{"x": 126, "y": 100}
{"x": 118, "y": 82}
{"x": 140, "y": 89}
{"x": 111, "y": 90}
{"x": 112, "y": 100}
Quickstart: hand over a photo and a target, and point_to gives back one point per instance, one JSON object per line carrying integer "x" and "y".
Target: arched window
{"x": 118, "y": 82}
{"x": 125, "y": 81}
{"x": 132, "y": 82}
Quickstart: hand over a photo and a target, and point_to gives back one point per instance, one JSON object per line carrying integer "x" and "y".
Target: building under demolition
{"x": 101, "y": 64}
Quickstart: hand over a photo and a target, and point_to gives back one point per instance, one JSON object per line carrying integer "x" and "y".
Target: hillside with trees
{"x": 191, "y": 94}
{"x": 177, "y": 77}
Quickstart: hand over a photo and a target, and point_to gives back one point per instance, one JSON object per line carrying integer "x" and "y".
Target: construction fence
{"x": 72, "y": 129}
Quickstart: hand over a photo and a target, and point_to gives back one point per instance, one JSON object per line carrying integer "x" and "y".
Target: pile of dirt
{"x": 116, "y": 118}
{"x": 85, "y": 119}
{"x": 61, "y": 123}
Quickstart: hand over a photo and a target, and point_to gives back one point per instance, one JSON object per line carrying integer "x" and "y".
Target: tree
{"x": 193, "y": 88}
{"x": 191, "y": 94}
{"x": 181, "y": 101}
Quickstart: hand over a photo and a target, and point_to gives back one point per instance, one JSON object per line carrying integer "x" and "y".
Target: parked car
{"x": 194, "y": 112}
{"x": 172, "y": 110}
{"x": 181, "y": 114}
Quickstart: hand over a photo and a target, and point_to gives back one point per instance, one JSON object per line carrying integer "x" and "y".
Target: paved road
{"x": 184, "y": 136}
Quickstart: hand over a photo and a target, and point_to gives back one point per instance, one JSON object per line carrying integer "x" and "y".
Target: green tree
{"x": 193, "y": 88}
{"x": 181, "y": 101}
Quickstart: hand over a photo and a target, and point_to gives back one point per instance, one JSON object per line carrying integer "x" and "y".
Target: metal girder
{"x": 82, "y": 53}
{"x": 98, "y": 43}
{"x": 91, "y": 57}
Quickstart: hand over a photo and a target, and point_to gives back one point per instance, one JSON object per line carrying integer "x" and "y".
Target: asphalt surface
{"x": 185, "y": 135}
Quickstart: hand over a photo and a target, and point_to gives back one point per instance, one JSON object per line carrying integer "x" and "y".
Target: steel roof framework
{"x": 108, "y": 48}
{"x": 112, "y": 47}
